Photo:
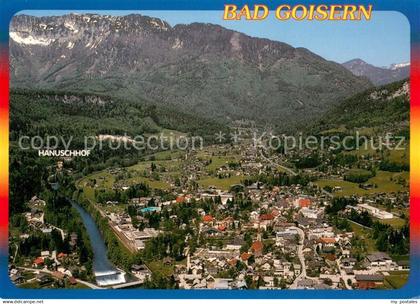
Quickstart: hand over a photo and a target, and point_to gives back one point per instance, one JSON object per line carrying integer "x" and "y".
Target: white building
{"x": 378, "y": 213}
{"x": 311, "y": 213}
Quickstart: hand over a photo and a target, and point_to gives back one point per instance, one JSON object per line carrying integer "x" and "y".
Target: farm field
{"x": 396, "y": 279}
{"x": 363, "y": 233}
{"x": 138, "y": 173}
{"x": 222, "y": 183}
{"x": 394, "y": 222}
{"x": 385, "y": 181}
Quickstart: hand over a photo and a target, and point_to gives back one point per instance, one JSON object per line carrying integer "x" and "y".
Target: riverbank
{"x": 105, "y": 273}
{"x": 120, "y": 253}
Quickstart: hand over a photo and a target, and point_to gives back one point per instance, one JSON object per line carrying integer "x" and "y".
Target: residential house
{"x": 142, "y": 272}
{"x": 369, "y": 281}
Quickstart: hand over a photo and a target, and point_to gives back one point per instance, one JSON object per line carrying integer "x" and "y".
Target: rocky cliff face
{"x": 200, "y": 68}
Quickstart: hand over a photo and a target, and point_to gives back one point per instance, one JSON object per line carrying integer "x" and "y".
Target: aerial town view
{"x": 158, "y": 155}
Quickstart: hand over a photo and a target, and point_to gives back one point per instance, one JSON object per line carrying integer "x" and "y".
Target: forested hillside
{"x": 71, "y": 114}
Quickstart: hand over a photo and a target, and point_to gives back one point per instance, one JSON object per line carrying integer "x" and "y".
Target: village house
{"x": 235, "y": 244}
{"x": 348, "y": 262}
{"x": 138, "y": 238}
{"x": 58, "y": 275}
{"x": 376, "y": 212}
{"x": 403, "y": 265}
{"x": 208, "y": 219}
{"x": 380, "y": 261}
{"x": 245, "y": 257}
{"x": 369, "y": 281}
{"x": 306, "y": 284}
{"x": 38, "y": 262}
{"x": 265, "y": 220}
{"x": 302, "y": 202}
{"x": 72, "y": 280}
{"x": 322, "y": 232}
{"x": 73, "y": 239}
{"x": 312, "y": 213}
{"x": 35, "y": 216}
{"x": 17, "y": 278}
{"x": 142, "y": 272}
{"x": 257, "y": 248}
{"x": 43, "y": 278}
{"x": 286, "y": 236}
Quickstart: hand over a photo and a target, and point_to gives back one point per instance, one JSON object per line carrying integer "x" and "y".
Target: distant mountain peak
{"x": 355, "y": 61}
{"x": 396, "y": 66}
{"x": 378, "y": 75}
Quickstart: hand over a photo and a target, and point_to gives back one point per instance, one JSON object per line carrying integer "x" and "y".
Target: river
{"x": 105, "y": 273}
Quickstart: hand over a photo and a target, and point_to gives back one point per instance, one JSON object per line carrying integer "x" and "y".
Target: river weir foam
{"x": 109, "y": 278}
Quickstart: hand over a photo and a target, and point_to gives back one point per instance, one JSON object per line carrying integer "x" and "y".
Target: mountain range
{"x": 378, "y": 75}
{"x": 198, "y": 68}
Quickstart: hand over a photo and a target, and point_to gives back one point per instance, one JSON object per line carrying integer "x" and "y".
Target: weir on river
{"x": 105, "y": 273}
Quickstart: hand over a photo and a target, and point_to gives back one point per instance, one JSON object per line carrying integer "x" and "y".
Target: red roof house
{"x": 257, "y": 248}
{"x": 39, "y": 261}
{"x": 304, "y": 202}
{"x": 245, "y": 256}
{"x": 221, "y": 228}
{"x": 327, "y": 240}
{"x": 208, "y": 218}
{"x": 232, "y": 262}
{"x": 266, "y": 217}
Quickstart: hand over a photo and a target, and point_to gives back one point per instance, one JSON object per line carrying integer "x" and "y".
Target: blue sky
{"x": 383, "y": 40}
